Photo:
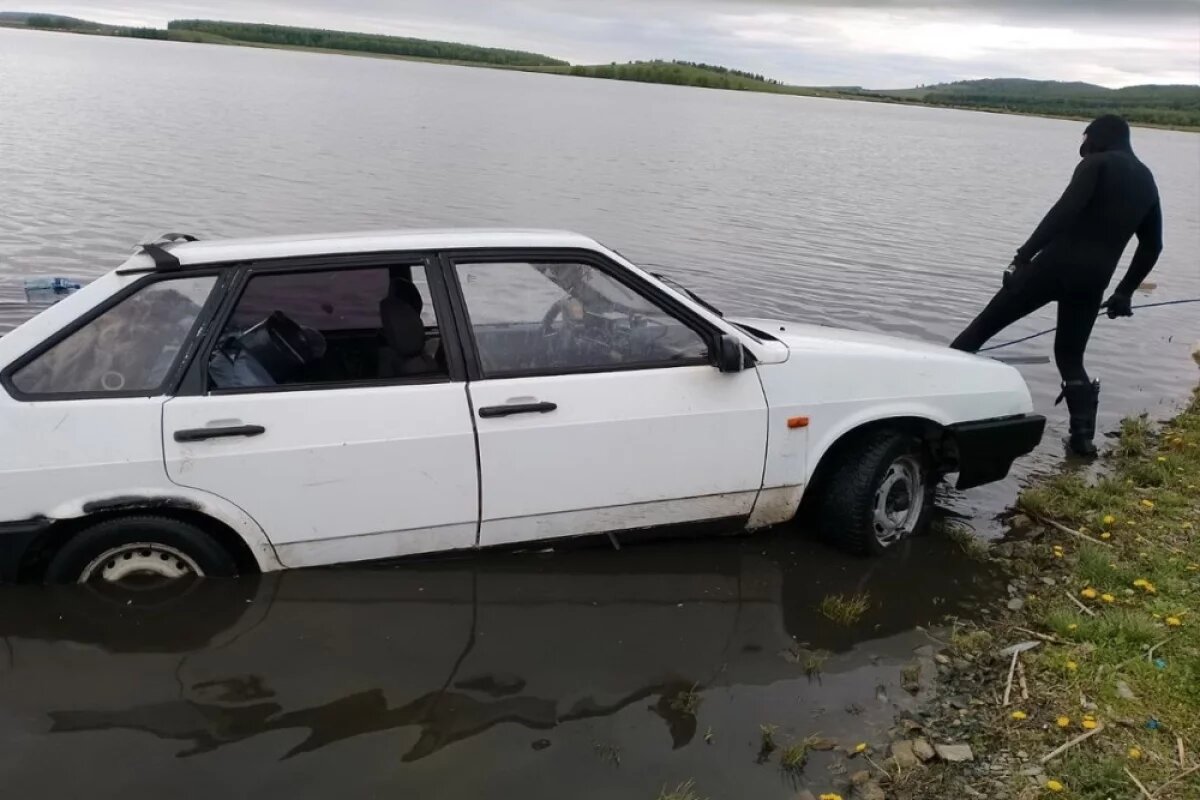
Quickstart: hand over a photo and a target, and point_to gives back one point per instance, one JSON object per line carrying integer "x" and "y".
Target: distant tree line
{"x": 286, "y": 36}
{"x": 753, "y": 76}
{"x": 56, "y": 22}
{"x": 676, "y": 73}
{"x": 1154, "y": 110}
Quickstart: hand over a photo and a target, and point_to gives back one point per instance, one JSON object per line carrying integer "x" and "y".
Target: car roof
{"x": 213, "y": 251}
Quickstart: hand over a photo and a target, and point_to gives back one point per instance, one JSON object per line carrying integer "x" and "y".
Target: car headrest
{"x": 403, "y": 330}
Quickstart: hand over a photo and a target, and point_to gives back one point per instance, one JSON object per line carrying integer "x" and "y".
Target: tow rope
{"x": 1101, "y": 314}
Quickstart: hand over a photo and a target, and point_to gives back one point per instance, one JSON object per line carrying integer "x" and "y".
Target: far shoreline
{"x": 775, "y": 89}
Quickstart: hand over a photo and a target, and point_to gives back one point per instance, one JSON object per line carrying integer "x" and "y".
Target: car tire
{"x": 160, "y": 549}
{"x": 879, "y": 492}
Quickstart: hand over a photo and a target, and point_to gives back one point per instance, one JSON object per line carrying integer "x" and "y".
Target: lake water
{"x": 876, "y": 217}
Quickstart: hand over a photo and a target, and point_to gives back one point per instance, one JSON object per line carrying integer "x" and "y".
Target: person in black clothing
{"x": 1070, "y": 259}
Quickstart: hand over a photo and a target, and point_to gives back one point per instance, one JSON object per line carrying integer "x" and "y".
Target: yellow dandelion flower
{"x": 1108, "y": 598}
{"x": 861, "y": 747}
{"x": 1055, "y": 786}
{"x": 1162, "y": 458}
{"x": 1148, "y": 504}
{"x": 1109, "y": 519}
{"x": 1106, "y": 535}
{"x": 1063, "y": 722}
{"x": 1088, "y": 724}
{"x": 1174, "y": 622}
{"x": 1135, "y": 752}
{"x": 1073, "y": 626}
{"x": 1072, "y": 666}
{"x": 1019, "y": 715}
{"x": 1089, "y": 593}
{"x": 1140, "y": 582}
{"x": 831, "y": 796}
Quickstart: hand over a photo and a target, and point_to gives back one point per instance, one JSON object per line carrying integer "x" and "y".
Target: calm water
{"x": 523, "y": 675}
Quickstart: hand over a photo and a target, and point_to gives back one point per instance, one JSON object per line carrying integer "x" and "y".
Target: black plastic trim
{"x": 204, "y": 434}
{"x": 987, "y": 448}
{"x": 491, "y": 412}
{"x": 15, "y": 540}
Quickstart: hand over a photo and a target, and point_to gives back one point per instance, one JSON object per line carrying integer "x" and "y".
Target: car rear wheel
{"x": 879, "y": 492}
{"x": 142, "y": 553}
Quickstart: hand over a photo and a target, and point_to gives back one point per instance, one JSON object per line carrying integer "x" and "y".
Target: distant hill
{"x": 1170, "y": 105}
{"x": 56, "y": 21}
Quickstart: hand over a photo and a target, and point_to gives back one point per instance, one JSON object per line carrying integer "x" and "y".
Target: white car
{"x": 217, "y": 407}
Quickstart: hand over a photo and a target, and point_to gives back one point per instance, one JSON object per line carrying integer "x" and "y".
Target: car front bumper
{"x": 987, "y": 448}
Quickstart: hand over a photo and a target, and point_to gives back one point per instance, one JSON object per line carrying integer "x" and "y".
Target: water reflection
{"x": 654, "y": 645}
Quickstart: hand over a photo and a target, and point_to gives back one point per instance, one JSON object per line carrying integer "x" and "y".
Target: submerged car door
{"x": 328, "y": 406}
{"x": 595, "y": 402}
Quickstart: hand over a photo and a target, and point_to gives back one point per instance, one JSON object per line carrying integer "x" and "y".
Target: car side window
{"x": 564, "y": 316}
{"x": 326, "y": 327}
{"x": 129, "y": 348}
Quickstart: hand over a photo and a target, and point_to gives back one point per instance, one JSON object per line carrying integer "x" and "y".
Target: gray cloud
{"x": 878, "y": 43}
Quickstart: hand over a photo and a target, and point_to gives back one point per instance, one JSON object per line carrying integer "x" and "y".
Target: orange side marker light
{"x": 797, "y": 422}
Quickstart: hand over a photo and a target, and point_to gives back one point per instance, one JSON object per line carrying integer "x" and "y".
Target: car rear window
{"x": 129, "y": 348}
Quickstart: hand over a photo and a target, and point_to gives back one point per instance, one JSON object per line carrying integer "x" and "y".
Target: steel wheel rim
{"x": 899, "y": 501}
{"x": 146, "y": 562}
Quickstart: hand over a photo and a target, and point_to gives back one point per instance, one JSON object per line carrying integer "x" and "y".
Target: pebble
{"x": 1049, "y": 581}
{"x": 923, "y": 750}
{"x": 860, "y": 777}
{"x": 954, "y": 753}
{"x": 1016, "y": 604}
{"x": 903, "y": 754}
{"x": 871, "y": 790}
{"x": 942, "y": 658}
{"x": 1124, "y": 691}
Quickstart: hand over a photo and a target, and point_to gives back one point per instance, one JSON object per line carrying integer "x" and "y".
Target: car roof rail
{"x": 157, "y": 250}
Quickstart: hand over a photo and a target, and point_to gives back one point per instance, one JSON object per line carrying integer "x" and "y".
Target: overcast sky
{"x": 873, "y": 43}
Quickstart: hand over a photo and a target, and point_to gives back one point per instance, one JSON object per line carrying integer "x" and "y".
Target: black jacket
{"x": 1112, "y": 196}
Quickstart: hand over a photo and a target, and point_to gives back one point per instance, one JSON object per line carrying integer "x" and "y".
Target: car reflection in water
{"x": 485, "y": 660}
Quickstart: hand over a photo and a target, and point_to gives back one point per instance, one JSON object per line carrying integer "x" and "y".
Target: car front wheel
{"x": 142, "y": 552}
{"x": 879, "y": 492}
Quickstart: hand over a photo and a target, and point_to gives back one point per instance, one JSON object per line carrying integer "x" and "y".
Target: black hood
{"x": 1106, "y": 133}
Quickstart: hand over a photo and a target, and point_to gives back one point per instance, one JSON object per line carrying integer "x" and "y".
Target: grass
{"x": 684, "y": 791}
{"x": 843, "y": 609}
{"x": 1141, "y": 580}
{"x": 767, "y": 743}
{"x": 686, "y": 701}
{"x": 814, "y": 662}
{"x": 794, "y": 757}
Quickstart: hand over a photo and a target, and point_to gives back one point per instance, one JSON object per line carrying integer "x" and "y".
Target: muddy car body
{"x": 252, "y": 405}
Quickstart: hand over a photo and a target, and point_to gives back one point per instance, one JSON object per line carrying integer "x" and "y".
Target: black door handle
{"x": 488, "y": 412}
{"x": 200, "y": 434}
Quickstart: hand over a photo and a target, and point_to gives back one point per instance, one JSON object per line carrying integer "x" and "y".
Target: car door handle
{"x": 488, "y": 412}
{"x": 200, "y": 434}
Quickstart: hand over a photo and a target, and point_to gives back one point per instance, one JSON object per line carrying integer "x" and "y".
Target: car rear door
{"x": 595, "y": 402}
{"x": 329, "y": 404}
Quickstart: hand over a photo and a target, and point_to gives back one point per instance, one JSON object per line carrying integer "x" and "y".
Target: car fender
{"x": 827, "y": 431}
{"x": 148, "y": 499}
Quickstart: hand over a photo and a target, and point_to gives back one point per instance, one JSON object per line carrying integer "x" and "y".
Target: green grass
{"x": 845, "y": 609}
{"x": 686, "y": 701}
{"x": 684, "y": 791}
{"x": 1141, "y": 576}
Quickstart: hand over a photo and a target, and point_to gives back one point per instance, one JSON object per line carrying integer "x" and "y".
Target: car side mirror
{"x": 731, "y": 356}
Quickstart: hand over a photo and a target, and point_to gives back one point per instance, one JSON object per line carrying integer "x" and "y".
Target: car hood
{"x": 802, "y": 337}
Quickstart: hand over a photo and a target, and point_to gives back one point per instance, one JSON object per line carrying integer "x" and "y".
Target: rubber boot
{"x": 1083, "y": 399}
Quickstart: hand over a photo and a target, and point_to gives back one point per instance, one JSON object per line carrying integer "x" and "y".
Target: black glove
{"x": 1119, "y": 306}
{"x": 1016, "y": 274}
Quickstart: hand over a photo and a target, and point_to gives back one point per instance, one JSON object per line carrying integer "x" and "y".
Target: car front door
{"x": 329, "y": 404}
{"x": 595, "y": 403}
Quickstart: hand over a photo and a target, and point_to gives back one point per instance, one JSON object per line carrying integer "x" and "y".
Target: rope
{"x": 1101, "y": 314}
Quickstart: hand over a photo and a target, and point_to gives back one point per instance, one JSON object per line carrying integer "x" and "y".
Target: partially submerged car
{"x": 217, "y": 407}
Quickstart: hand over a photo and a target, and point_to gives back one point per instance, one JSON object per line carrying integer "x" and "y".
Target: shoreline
{"x": 1104, "y": 604}
{"x": 190, "y": 37}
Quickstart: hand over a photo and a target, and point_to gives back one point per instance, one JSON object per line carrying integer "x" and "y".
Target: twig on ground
{"x": 1045, "y": 637}
{"x": 1082, "y": 607}
{"x": 1182, "y": 754}
{"x": 1021, "y": 680}
{"x": 1150, "y": 652}
{"x": 876, "y": 766}
{"x": 1176, "y": 779}
{"x": 1058, "y": 751}
{"x": 1060, "y": 527}
{"x": 1012, "y": 669}
{"x": 1133, "y": 778}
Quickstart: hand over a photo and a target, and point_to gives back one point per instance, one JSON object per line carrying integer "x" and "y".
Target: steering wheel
{"x": 557, "y": 308}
